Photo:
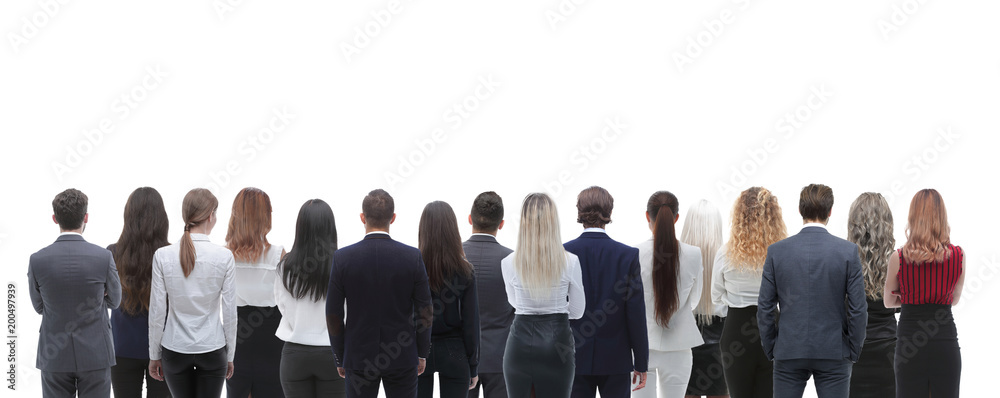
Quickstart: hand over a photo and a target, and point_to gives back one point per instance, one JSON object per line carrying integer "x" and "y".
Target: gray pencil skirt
{"x": 540, "y": 356}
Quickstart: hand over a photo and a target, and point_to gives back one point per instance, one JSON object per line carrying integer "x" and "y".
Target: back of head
{"x": 70, "y": 208}
{"x": 869, "y": 225}
{"x": 662, "y": 208}
{"x": 441, "y": 245}
{"x": 593, "y": 206}
{"x": 144, "y": 231}
{"x": 927, "y": 231}
{"x": 487, "y": 212}
{"x": 757, "y": 223}
{"x": 198, "y": 206}
{"x": 249, "y": 224}
{"x": 378, "y": 208}
{"x": 815, "y": 202}
{"x": 305, "y": 270}
{"x": 540, "y": 258}
{"x": 703, "y": 228}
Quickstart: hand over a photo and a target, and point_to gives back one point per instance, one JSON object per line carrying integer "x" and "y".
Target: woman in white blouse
{"x": 258, "y": 350}
{"x": 545, "y": 286}
{"x": 671, "y": 279}
{"x": 308, "y": 368}
{"x": 757, "y": 223}
{"x": 191, "y": 344}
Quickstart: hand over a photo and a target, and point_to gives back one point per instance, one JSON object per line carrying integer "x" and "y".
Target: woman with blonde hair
{"x": 926, "y": 279}
{"x": 544, "y": 284}
{"x": 869, "y": 225}
{"x": 739, "y": 265}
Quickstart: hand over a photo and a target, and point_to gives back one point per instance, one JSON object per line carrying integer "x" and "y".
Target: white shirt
{"x": 200, "y": 309}
{"x": 303, "y": 321}
{"x": 255, "y": 281}
{"x": 733, "y": 287}
{"x": 681, "y": 332}
{"x": 570, "y": 285}
{"x": 813, "y": 224}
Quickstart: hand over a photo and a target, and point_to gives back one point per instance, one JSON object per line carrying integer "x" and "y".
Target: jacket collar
{"x": 595, "y": 235}
{"x": 70, "y": 237}
{"x": 483, "y": 238}
{"x": 376, "y": 236}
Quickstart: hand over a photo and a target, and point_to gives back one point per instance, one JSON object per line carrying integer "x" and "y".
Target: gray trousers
{"x": 89, "y": 384}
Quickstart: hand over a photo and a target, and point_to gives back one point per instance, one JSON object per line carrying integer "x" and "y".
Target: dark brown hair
{"x": 593, "y": 206}
{"x": 249, "y": 224}
{"x": 145, "y": 230}
{"x": 70, "y": 207}
{"x": 487, "y": 212}
{"x": 441, "y": 245}
{"x": 662, "y": 209}
{"x": 815, "y": 202}
{"x": 198, "y": 206}
{"x": 378, "y": 208}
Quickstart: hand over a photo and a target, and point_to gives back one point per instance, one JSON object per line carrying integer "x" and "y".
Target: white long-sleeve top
{"x": 733, "y": 287}
{"x": 570, "y": 285}
{"x": 681, "y": 332}
{"x": 194, "y": 314}
{"x": 303, "y": 321}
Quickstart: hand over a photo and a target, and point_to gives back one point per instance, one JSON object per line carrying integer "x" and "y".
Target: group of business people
{"x": 548, "y": 319}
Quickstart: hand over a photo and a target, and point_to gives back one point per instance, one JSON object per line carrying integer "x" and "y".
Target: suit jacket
{"x": 495, "y": 312}
{"x": 72, "y": 284}
{"x": 389, "y": 301}
{"x": 682, "y": 331}
{"x": 815, "y": 279}
{"x": 611, "y": 336}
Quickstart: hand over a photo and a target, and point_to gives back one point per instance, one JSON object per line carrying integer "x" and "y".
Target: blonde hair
{"x": 703, "y": 228}
{"x": 540, "y": 258}
{"x": 869, "y": 225}
{"x": 927, "y": 232}
{"x": 198, "y": 206}
{"x": 757, "y": 224}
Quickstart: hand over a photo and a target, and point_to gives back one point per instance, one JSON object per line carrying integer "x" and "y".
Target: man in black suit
{"x": 815, "y": 279}
{"x": 72, "y": 284}
{"x": 385, "y": 285}
{"x": 495, "y": 313}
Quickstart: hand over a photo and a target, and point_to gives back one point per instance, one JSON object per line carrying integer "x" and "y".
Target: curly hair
{"x": 869, "y": 225}
{"x": 927, "y": 231}
{"x": 757, "y": 223}
{"x": 594, "y": 207}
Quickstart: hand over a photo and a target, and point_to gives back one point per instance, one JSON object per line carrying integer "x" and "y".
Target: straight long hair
{"x": 757, "y": 223}
{"x": 703, "y": 228}
{"x": 305, "y": 270}
{"x": 662, "y": 208}
{"x": 249, "y": 224}
{"x": 540, "y": 258}
{"x": 145, "y": 230}
{"x": 927, "y": 231}
{"x": 197, "y": 208}
{"x": 441, "y": 245}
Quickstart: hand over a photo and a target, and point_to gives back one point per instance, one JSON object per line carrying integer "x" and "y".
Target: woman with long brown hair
{"x": 455, "y": 332}
{"x": 144, "y": 232}
{"x": 671, "y": 276}
{"x": 258, "y": 350}
{"x": 925, "y": 278}
{"x": 756, "y": 224}
{"x": 192, "y": 310}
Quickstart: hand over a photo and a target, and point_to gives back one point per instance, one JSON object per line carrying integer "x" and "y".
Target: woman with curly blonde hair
{"x": 756, "y": 224}
{"x": 869, "y": 225}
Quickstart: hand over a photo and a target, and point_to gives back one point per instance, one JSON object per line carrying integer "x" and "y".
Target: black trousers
{"x": 449, "y": 360}
{"x": 195, "y": 375}
{"x": 611, "y": 386}
{"x": 256, "y": 367}
{"x": 832, "y": 377}
{"x": 399, "y": 383}
{"x": 88, "y": 384}
{"x": 310, "y": 371}
{"x": 540, "y": 354}
{"x": 492, "y": 384}
{"x": 748, "y": 372}
{"x": 127, "y": 376}
{"x": 928, "y": 359}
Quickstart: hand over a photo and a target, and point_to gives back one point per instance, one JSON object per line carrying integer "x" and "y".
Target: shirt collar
{"x": 70, "y": 233}
{"x": 482, "y": 234}
{"x": 377, "y": 232}
{"x": 199, "y": 237}
{"x": 813, "y": 224}
{"x": 595, "y": 229}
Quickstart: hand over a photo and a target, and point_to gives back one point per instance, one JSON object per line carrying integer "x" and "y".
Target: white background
{"x": 896, "y": 75}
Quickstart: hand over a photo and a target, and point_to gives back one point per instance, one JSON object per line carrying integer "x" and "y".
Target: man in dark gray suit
{"x": 815, "y": 280}
{"x": 72, "y": 284}
{"x": 495, "y": 313}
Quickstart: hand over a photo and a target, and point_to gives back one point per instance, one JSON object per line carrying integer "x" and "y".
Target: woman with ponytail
{"x": 672, "y": 281}
{"x": 192, "y": 309}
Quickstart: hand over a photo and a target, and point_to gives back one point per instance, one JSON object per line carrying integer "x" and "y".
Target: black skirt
{"x": 540, "y": 355}
{"x": 707, "y": 373}
{"x": 928, "y": 359}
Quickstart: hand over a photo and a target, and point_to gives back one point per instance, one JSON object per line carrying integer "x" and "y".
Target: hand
{"x": 156, "y": 369}
{"x": 342, "y": 372}
{"x": 421, "y": 365}
{"x": 229, "y": 370}
{"x": 642, "y": 380}
{"x": 472, "y": 384}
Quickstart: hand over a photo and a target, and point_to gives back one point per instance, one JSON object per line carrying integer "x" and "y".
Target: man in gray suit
{"x": 72, "y": 284}
{"x": 815, "y": 280}
{"x": 495, "y": 314}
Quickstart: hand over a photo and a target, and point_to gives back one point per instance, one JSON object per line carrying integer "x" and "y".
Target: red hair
{"x": 927, "y": 232}
{"x": 249, "y": 224}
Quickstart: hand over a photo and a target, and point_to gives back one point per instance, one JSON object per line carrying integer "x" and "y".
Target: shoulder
{"x": 645, "y": 246}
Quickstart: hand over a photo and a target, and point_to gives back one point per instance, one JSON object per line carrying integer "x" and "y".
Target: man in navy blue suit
{"x": 611, "y": 342}
{"x": 815, "y": 280}
{"x": 385, "y": 285}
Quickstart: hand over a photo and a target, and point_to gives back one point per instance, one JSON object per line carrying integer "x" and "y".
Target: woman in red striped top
{"x": 928, "y": 282}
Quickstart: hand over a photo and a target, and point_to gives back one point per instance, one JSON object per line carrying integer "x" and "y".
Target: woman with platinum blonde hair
{"x": 544, "y": 284}
{"x": 739, "y": 265}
